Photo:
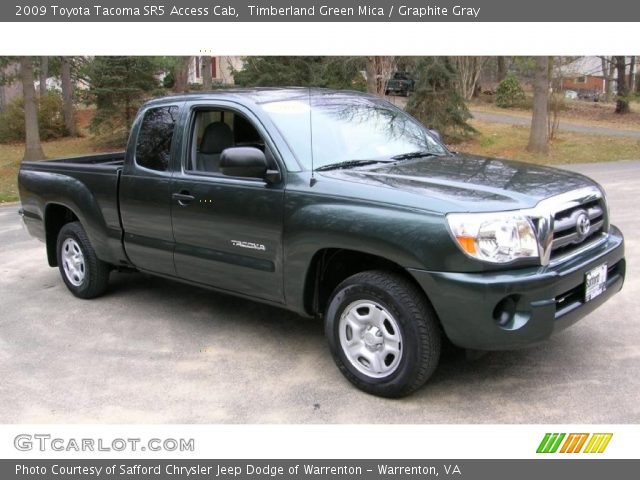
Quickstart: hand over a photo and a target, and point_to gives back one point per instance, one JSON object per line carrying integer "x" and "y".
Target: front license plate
{"x": 595, "y": 282}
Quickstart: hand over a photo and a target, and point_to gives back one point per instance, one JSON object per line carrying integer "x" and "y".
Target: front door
{"x": 228, "y": 230}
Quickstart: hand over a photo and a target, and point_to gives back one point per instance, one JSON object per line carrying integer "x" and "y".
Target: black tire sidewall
{"x": 75, "y": 232}
{"x": 394, "y": 383}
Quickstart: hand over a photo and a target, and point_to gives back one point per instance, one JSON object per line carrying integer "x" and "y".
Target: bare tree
{"x": 33, "y": 148}
{"x": 207, "y": 81}
{"x": 469, "y": 69}
{"x": 622, "y": 99}
{"x": 181, "y": 74}
{"x": 379, "y": 70}
{"x": 556, "y": 96}
{"x": 501, "y": 72}
{"x": 44, "y": 74}
{"x": 539, "y": 135}
{"x": 67, "y": 96}
{"x": 632, "y": 75}
{"x": 608, "y": 70}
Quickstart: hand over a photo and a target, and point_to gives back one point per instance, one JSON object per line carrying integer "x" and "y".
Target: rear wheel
{"x": 84, "y": 274}
{"x": 383, "y": 333}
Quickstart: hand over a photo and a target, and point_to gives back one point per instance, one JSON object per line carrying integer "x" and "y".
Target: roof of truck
{"x": 257, "y": 95}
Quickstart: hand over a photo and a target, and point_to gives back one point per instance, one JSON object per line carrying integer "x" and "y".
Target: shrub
{"x": 50, "y": 119}
{"x": 509, "y": 93}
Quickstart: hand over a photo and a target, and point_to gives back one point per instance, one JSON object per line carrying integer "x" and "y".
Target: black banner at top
{"x": 319, "y": 11}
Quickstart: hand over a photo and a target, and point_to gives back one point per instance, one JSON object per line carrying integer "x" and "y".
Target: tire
{"x": 84, "y": 274}
{"x": 383, "y": 333}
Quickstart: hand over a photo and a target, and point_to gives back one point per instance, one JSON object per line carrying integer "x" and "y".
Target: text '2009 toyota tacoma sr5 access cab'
{"x": 336, "y": 204}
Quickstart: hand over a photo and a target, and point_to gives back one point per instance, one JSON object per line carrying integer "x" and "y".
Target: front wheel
{"x": 383, "y": 334}
{"x": 84, "y": 274}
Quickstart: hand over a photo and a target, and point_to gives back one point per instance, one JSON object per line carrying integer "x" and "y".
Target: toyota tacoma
{"x": 338, "y": 205}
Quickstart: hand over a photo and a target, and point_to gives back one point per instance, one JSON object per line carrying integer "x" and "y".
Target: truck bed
{"x": 87, "y": 186}
{"x": 109, "y": 161}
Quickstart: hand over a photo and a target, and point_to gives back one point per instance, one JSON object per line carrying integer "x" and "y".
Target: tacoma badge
{"x": 251, "y": 245}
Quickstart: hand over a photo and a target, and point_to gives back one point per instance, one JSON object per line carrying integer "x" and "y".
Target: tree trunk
{"x": 67, "y": 96}
{"x": 608, "y": 68}
{"x": 469, "y": 69}
{"x": 501, "y": 73}
{"x": 539, "y": 136}
{"x": 622, "y": 100}
{"x": 632, "y": 76}
{"x": 182, "y": 75}
{"x": 371, "y": 75}
{"x": 379, "y": 70}
{"x": 44, "y": 74}
{"x": 33, "y": 149}
{"x": 207, "y": 81}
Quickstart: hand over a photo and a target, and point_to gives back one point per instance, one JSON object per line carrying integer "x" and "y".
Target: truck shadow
{"x": 211, "y": 312}
{"x": 213, "y": 307}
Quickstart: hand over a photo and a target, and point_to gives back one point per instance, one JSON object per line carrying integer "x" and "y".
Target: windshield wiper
{"x": 418, "y": 154}
{"x": 348, "y": 164}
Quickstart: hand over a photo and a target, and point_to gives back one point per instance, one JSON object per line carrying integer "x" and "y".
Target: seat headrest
{"x": 245, "y": 132}
{"x": 217, "y": 136}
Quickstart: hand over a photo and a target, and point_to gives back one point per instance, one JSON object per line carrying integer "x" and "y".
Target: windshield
{"x": 347, "y": 127}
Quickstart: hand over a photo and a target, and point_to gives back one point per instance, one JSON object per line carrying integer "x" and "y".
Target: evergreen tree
{"x": 118, "y": 86}
{"x": 437, "y": 102}
{"x": 329, "y": 72}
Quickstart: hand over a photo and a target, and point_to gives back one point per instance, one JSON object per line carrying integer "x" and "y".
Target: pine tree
{"x": 118, "y": 86}
{"x": 329, "y": 72}
{"x": 437, "y": 102}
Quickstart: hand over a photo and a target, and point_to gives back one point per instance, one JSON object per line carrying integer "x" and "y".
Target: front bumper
{"x": 542, "y": 300}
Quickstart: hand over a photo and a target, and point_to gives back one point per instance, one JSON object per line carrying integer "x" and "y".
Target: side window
{"x": 153, "y": 148}
{"x": 217, "y": 130}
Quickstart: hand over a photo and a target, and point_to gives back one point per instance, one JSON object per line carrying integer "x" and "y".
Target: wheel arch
{"x": 330, "y": 266}
{"x": 56, "y": 216}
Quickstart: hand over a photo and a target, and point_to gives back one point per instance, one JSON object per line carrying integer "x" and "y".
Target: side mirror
{"x": 436, "y": 134}
{"x": 243, "y": 162}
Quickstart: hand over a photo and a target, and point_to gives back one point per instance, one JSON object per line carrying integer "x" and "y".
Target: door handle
{"x": 184, "y": 198}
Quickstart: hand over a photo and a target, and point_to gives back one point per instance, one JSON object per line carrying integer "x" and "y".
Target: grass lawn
{"x": 581, "y": 112}
{"x": 11, "y": 155}
{"x": 510, "y": 141}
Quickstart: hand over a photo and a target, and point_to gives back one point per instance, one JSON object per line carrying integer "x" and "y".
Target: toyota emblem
{"x": 583, "y": 224}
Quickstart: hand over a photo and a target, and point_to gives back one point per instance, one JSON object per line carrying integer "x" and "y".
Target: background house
{"x": 584, "y": 75}
{"x": 588, "y": 75}
{"x": 222, "y": 69}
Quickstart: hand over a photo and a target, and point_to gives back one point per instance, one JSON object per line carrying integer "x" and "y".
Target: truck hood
{"x": 466, "y": 182}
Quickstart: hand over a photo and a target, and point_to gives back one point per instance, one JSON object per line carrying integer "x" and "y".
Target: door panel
{"x": 145, "y": 203}
{"x": 146, "y": 218}
{"x": 230, "y": 235}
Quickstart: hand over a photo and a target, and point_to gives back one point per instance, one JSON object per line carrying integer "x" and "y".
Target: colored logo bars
{"x": 595, "y": 443}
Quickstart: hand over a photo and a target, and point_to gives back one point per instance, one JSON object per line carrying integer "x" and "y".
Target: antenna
{"x": 312, "y": 181}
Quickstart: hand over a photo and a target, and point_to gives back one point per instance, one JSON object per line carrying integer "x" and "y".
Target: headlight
{"x": 494, "y": 237}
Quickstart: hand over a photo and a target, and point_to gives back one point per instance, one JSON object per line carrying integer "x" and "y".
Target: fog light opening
{"x": 505, "y": 311}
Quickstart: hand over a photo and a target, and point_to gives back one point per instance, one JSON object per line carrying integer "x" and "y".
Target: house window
{"x": 582, "y": 79}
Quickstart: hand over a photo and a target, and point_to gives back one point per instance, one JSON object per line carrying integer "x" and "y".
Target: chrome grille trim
{"x": 550, "y": 229}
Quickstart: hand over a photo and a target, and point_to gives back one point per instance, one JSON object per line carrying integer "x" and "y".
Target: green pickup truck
{"x": 339, "y": 205}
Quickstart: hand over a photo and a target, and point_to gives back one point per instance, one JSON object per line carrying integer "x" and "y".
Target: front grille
{"x": 571, "y": 230}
